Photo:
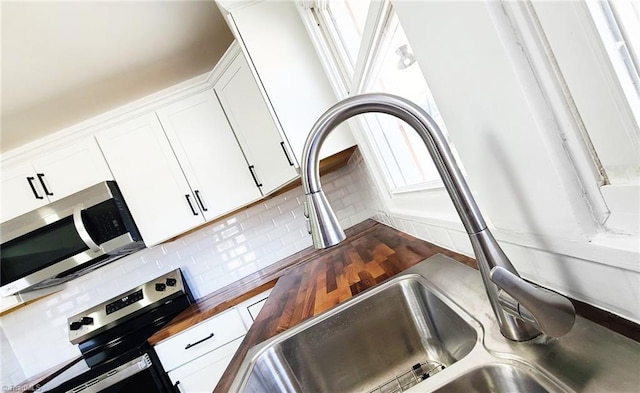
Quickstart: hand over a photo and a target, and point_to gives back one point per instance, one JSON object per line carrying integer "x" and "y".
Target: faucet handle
{"x": 548, "y": 311}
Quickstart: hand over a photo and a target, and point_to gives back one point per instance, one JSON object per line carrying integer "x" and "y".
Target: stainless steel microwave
{"x": 65, "y": 239}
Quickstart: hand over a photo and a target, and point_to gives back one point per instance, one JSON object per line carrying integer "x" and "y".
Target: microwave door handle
{"x": 82, "y": 230}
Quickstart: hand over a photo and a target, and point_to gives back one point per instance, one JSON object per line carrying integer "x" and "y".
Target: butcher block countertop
{"x": 310, "y": 282}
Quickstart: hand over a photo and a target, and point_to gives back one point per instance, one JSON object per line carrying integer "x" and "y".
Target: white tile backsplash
{"x": 210, "y": 258}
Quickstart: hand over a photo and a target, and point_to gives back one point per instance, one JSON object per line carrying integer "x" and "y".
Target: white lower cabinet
{"x": 203, "y": 373}
{"x": 250, "y": 308}
{"x": 196, "y": 358}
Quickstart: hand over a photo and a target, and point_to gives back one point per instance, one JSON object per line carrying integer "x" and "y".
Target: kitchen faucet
{"x": 523, "y": 310}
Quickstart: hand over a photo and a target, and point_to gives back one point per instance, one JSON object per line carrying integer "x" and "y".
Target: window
{"x": 618, "y": 25}
{"x": 370, "y": 51}
{"x": 595, "y": 45}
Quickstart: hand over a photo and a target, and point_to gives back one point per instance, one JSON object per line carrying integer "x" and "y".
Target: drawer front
{"x": 200, "y": 339}
{"x": 203, "y": 374}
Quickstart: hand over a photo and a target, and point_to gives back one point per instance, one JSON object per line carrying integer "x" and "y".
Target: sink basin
{"x": 387, "y": 339}
{"x": 497, "y": 378}
{"x": 396, "y": 334}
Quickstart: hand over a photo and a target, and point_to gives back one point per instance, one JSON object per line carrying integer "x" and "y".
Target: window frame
{"x": 372, "y": 43}
{"x": 615, "y": 194}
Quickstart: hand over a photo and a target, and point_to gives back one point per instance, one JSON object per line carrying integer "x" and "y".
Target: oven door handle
{"x": 114, "y": 376}
{"x": 82, "y": 230}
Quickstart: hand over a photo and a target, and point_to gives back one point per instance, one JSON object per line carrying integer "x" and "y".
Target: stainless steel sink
{"x": 398, "y": 329}
{"x": 495, "y": 378}
{"x": 431, "y": 329}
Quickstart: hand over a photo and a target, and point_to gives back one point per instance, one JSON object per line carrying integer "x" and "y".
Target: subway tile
{"x": 461, "y": 242}
{"x": 210, "y": 258}
{"x": 269, "y": 215}
{"x": 288, "y": 204}
{"x": 277, "y": 233}
{"x": 283, "y": 219}
{"x": 230, "y": 232}
{"x": 422, "y": 232}
{"x": 255, "y": 242}
{"x": 224, "y": 246}
{"x": 441, "y": 237}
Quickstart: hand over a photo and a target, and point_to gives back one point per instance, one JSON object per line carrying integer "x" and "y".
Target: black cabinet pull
{"x": 195, "y": 213}
{"x": 253, "y": 174}
{"x": 199, "y": 342}
{"x": 44, "y": 186}
{"x": 197, "y": 192}
{"x": 30, "y": 179}
{"x": 175, "y": 385}
{"x": 286, "y": 154}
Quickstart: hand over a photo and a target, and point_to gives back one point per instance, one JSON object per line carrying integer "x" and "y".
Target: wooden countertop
{"x": 372, "y": 253}
{"x": 243, "y": 289}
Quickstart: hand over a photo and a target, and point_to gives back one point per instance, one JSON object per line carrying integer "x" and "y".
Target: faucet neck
{"x": 421, "y": 122}
{"x": 323, "y": 225}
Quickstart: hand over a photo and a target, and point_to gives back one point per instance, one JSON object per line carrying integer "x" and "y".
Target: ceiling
{"x": 66, "y": 61}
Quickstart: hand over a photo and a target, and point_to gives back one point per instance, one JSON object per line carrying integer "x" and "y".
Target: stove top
{"x": 112, "y": 337}
{"x": 117, "y": 310}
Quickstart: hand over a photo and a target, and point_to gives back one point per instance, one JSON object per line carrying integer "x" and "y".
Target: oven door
{"x": 117, "y": 379}
{"x": 137, "y": 375}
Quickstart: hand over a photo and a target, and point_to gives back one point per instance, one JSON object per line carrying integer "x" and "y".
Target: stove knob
{"x": 75, "y": 325}
{"x": 172, "y": 282}
{"x": 86, "y": 321}
{"x": 160, "y": 287}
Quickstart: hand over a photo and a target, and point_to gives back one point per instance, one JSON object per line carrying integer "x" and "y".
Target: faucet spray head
{"x": 323, "y": 224}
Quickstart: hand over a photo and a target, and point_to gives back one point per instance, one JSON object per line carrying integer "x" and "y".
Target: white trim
{"x": 342, "y": 62}
{"x": 379, "y": 13}
{"x": 573, "y": 136}
{"x": 603, "y": 106}
{"x": 330, "y": 67}
{"x": 430, "y": 185}
{"x": 606, "y": 249}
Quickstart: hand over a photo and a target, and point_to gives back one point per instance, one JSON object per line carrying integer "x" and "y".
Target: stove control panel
{"x": 124, "y": 301}
{"x": 89, "y": 323}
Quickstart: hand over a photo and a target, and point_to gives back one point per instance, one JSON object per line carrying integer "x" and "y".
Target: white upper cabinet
{"x": 150, "y": 178}
{"x": 50, "y": 176}
{"x": 286, "y": 64}
{"x": 21, "y": 192}
{"x": 209, "y": 154}
{"x": 254, "y": 127}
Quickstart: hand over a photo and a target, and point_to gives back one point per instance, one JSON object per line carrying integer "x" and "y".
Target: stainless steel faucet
{"x": 523, "y": 310}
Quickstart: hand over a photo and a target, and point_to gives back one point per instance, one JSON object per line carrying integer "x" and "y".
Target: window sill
{"x": 430, "y": 185}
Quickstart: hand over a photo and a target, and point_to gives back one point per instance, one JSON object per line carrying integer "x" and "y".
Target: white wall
{"x": 210, "y": 258}
{"x": 10, "y": 369}
{"x": 512, "y": 144}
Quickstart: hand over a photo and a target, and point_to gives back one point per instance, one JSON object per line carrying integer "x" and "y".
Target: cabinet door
{"x": 72, "y": 168}
{"x": 290, "y": 71}
{"x": 204, "y": 373}
{"x": 254, "y": 127}
{"x": 209, "y": 154}
{"x": 18, "y": 196}
{"x": 53, "y": 175}
{"x": 150, "y": 178}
